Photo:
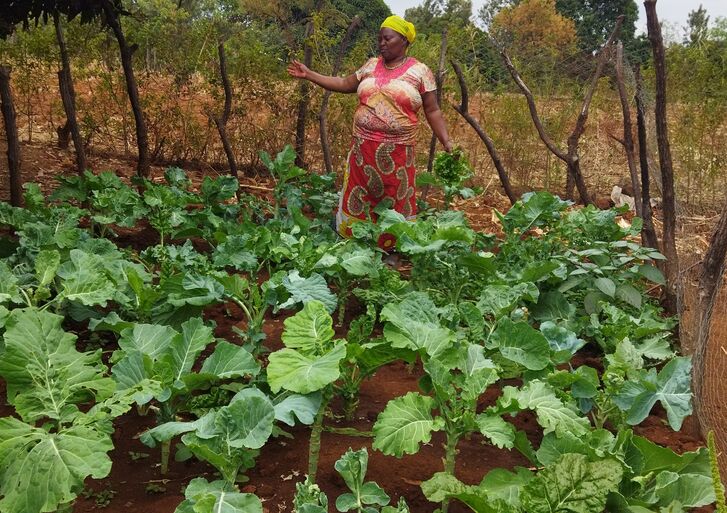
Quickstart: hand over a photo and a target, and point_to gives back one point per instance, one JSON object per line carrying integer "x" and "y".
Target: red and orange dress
{"x": 381, "y": 160}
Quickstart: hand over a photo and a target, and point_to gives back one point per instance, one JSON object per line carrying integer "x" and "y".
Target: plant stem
{"x": 450, "y": 452}
{"x": 314, "y": 446}
{"x": 165, "y": 456}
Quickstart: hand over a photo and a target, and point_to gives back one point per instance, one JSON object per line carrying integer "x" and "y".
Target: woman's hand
{"x": 448, "y": 146}
{"x": 297, "y": 69}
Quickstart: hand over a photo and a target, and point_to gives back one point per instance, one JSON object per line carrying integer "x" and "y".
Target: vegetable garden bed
{"x": 233, "y": 324}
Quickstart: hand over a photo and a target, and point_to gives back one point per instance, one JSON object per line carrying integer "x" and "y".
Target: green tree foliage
{"x": 697, "y": 26}
{"x": 595, "y": 20}
{"x": 434, "y": 15}
{"x": 14, "y": 12}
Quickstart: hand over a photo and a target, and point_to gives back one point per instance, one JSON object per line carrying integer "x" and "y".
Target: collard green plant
{"x": 363, "y": 497}
{"x": 162, "y": 354}
{"x": 65, "y": 402}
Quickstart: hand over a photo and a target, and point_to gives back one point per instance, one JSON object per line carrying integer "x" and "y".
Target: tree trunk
{"x": 11, "y": 132}
{"x": 440, "y": 83}
{"x": 710, "y": 282}
{"x": 64, "y": 132}
{"x": 665, "y": 161}
{"x": 304, "y": 101}
{"x": 322, "y": 120}
{"x": 463, "y": 110}
{"x": 68, "y": 95}
{"x": 628, "y": 140}
{"x": 126, "y": 51}
{"x": 648, "y": 234}
{"x": 221, "y": 121}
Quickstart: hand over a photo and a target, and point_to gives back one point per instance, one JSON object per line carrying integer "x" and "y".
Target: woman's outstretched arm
{"x": 347, "y": 84}
{"x": 435, "y": 119}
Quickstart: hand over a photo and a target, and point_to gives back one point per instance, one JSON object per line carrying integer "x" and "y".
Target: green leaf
{"x": 40, "y": 471}
{"x": 521, "y": 343}
{"x": 9, "y": 290}
{"x": 606, "y": 285}
{"x": 361, "y": 262}
{"x": 652, "y": 274}
{"x": 230, "y": 361}
{"x": 552, "y": 414}
{"x": 499, "y": 300}
{"x": 302, "y": 407}
{"x": 414, "y": 324}
{"x": 291, "y": 370}
{"x": 45, "y": 375}
{"x": 405, "y": 423}
{"x": 46, "y": 266}
{"x": 443, "y": 486}
{"x": 310, "y": 330}
{"x": 572, "y": 484}
{"x": 202, "y": 496}
{"x": 352, "y": 467}
{"x": 247, "y": 421}
{"x": 149, "y": 339}
{"x": 553, "y": 306}
{"x": 690, "y": 490}
{"x": 629, "y": 294}
{"x": 184, "y": 349}
{"x": 302, "y": 290}
{"x": 671, "y": 387}
{"x": 500, "y": 433}
{"x": 563, "y": 342}
{"x": 84, "y": 279}
{"x": 131, "y": 370}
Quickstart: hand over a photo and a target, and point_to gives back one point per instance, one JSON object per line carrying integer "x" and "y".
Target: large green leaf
{"x": 149, "y": 339}
{"x": 302, "y": 290}
{"x": 84, "y": 279}
{"x": 499, "y": 432}
{"x": 310, "y": 331}
{"x": 405, "y": 423}
{"x": 521, "y": 343}
{"x": 498, "y": 300}
{"x": 690, "y": 490}
{"x": 230, "y": 361}
{"x": 443, "y": 486}
{"x": 184, "y": 349}
{"x": 131, "y": 370}
{"x": 288, "y": 407}
{"x": 45, "y": 375}
{"x": 572, "y": 484}
{"x": 671, "y": 386}
{"x": 360, "y": 262}
{"x": 46, "y": 266}
{"x": 40, "y": 471}
{"x": 414, "y": 324}
{"x": 9, "y": 290}
{"x": 291, "y": 370}
{"x": 552, "y": 414}
{"x": 247, "y": 421}
{"x": 202, "y": 496}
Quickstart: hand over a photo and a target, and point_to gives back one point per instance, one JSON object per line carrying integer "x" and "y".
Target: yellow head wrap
{"x": 400, "y": 25}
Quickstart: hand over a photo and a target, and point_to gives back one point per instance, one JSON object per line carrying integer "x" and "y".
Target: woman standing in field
{"x": 391, "y": 89}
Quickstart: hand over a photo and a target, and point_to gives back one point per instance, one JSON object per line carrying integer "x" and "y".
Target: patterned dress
{"x": 381, "y": 160}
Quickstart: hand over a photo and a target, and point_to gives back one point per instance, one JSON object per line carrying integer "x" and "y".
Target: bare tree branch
{"x": 322, "y": 119}
{"x": 628, "y": 138}
{"x": 463, "y": 109}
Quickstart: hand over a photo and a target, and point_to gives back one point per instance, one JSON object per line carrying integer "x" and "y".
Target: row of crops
{"x": 476, "y": 312}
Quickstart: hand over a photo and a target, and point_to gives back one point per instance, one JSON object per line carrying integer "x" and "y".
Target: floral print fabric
{"x": 376, "y": 171}
{"x": 389, "y": 100}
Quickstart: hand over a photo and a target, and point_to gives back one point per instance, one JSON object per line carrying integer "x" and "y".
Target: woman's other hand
{"x": 297, "y": 69}
{"x": 448, "y": 146}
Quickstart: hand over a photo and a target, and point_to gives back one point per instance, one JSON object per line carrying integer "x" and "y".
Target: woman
{"x": 391, "y": 89}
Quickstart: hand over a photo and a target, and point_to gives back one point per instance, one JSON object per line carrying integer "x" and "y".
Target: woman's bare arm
{"x": 347, "y": 84}
{"x": 435, "y": 119}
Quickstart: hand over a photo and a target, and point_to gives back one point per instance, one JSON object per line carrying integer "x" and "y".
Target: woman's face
{"x": 392, "y": 45}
